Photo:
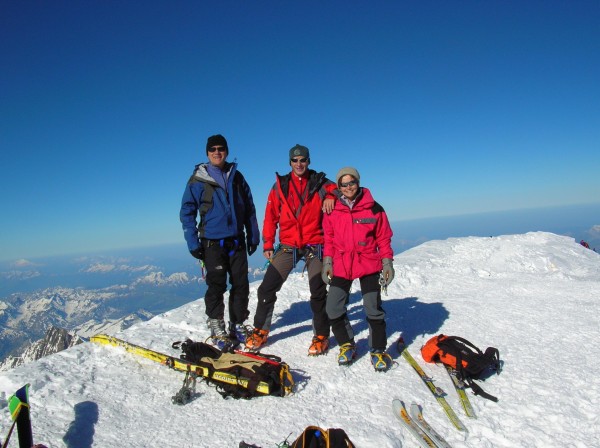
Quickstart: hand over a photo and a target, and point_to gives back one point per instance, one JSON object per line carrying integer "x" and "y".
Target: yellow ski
{"x": 183, "y": 366}
{"x": 437, "y": 392}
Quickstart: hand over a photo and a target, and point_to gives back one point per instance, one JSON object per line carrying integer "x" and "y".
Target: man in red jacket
{"x": 295, "y": 204}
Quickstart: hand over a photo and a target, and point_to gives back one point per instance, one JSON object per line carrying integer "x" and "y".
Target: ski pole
{"x": 5, "y": 444}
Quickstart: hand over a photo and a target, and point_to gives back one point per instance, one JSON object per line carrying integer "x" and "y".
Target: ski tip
{"x": 416, "y": 406}
{"x": 398, "y": 405}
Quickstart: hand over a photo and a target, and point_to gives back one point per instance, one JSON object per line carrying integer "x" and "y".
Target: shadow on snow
{"x": 407, "y": 316}
{"x": 81, "y": 430}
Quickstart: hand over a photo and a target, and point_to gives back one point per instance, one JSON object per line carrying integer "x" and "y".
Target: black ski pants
{"x": 224, "y": 258}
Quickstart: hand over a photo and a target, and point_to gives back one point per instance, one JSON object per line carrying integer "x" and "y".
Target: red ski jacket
{"x": 357, "y": 239}
{"x": 295, "y": 205}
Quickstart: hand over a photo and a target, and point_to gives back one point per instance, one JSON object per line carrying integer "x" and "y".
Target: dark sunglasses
{"x": 349, "y": 184}
{"x": 221, "y": 149}
{"x": 302, "y": 160}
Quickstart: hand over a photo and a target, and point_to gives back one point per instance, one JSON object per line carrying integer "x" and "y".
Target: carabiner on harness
{"x": 382, "y": 283}
{"x": 202, "y": 270}
{"x": 314, "y": 250}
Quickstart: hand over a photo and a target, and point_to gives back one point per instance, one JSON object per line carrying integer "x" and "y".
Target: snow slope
{"x": 534, "y": 296}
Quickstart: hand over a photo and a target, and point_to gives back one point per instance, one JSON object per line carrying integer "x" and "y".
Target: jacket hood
{"x": 201, "y": 173}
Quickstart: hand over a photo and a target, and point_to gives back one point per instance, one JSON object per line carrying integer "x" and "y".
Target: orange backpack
{"x": 463, "y": 356}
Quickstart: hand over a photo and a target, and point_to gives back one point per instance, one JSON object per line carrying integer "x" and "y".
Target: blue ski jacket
{"x": 232, "y": 210}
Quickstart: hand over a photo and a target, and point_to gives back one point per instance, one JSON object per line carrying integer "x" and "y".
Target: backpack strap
{"x": 206, "y": 202}
{"x": 466, "y": 342}
{"x": 309, "y": 437}
{"x": 339, "y": 439}
{"x": 302, "y": 197}
{"x": 494, "y": 353}
{"x": 477, "y": 390}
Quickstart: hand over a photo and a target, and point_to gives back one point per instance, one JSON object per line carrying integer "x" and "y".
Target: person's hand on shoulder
{"x": 328, "y": 205}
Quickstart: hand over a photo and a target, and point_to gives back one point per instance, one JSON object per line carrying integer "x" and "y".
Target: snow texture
{"x": 536, "y": 297}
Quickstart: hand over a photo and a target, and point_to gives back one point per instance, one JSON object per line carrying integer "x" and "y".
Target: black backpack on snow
{"x": 237, "y": 374}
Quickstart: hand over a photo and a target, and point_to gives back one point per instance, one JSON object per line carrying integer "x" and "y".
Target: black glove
{"x": 252, "y": 249}
{"x": 198, "y": 253}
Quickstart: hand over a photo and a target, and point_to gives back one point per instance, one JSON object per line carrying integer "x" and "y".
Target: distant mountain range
{"x": 44, "y": 322}
{"x": 57, "y": 339}
{"x": 56, "y": 303}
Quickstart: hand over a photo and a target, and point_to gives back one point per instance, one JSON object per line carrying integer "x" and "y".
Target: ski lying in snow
{"x": 422, "y": 437}
{"x": 179, "y": 364}
{"x": 417, "y": 416}
{"x": 437, "y": 392}
{"x": 459, "y": 386}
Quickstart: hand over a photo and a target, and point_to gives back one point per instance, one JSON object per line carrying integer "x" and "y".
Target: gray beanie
{"x": 345, "y": 171}
{"x": 299, "y": 150}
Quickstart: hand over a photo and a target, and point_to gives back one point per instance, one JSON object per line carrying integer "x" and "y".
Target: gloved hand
{"x": 252, "y": 249}
{"x": 387, "y": 271}
{"x": 327, "y": 270}
{"x": 198, "y": 253}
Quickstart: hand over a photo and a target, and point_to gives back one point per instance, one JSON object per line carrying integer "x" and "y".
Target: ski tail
{"x": 460, "y": 390}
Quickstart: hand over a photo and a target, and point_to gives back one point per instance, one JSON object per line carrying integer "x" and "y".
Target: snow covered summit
{"x": 533, "y": 296}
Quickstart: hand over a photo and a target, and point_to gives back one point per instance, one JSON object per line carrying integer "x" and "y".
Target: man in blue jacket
{"x": 219, "y": 195}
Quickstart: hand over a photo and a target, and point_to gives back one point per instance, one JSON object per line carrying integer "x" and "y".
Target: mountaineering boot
{"x": 238, "y": 333}
{"x": 256, "y": 339}
{"x": 381, "y": 360}
{"x": 218, "y": 335}
{"x": 347, "y": 354}
{"x": 319, "y": 346}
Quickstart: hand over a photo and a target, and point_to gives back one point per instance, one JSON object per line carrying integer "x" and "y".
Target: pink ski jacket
{"x": 357, "y": 239}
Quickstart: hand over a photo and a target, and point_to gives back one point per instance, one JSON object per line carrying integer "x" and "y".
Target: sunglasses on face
{"x": 349, "y": 184}
{"x": 302, "y": 160}
{"x": 220, "y": 149}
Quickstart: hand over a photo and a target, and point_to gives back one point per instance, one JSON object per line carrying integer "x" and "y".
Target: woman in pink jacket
{"x": 358, "y": 240}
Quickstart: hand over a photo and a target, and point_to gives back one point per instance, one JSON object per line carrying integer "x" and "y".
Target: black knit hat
{"x": 216, "y": 140}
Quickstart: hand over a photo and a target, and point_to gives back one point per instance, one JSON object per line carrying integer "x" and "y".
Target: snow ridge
{"x": 533, "y": 296}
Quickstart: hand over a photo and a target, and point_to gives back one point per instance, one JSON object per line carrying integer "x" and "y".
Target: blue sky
{"x": 445, "y": 108}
